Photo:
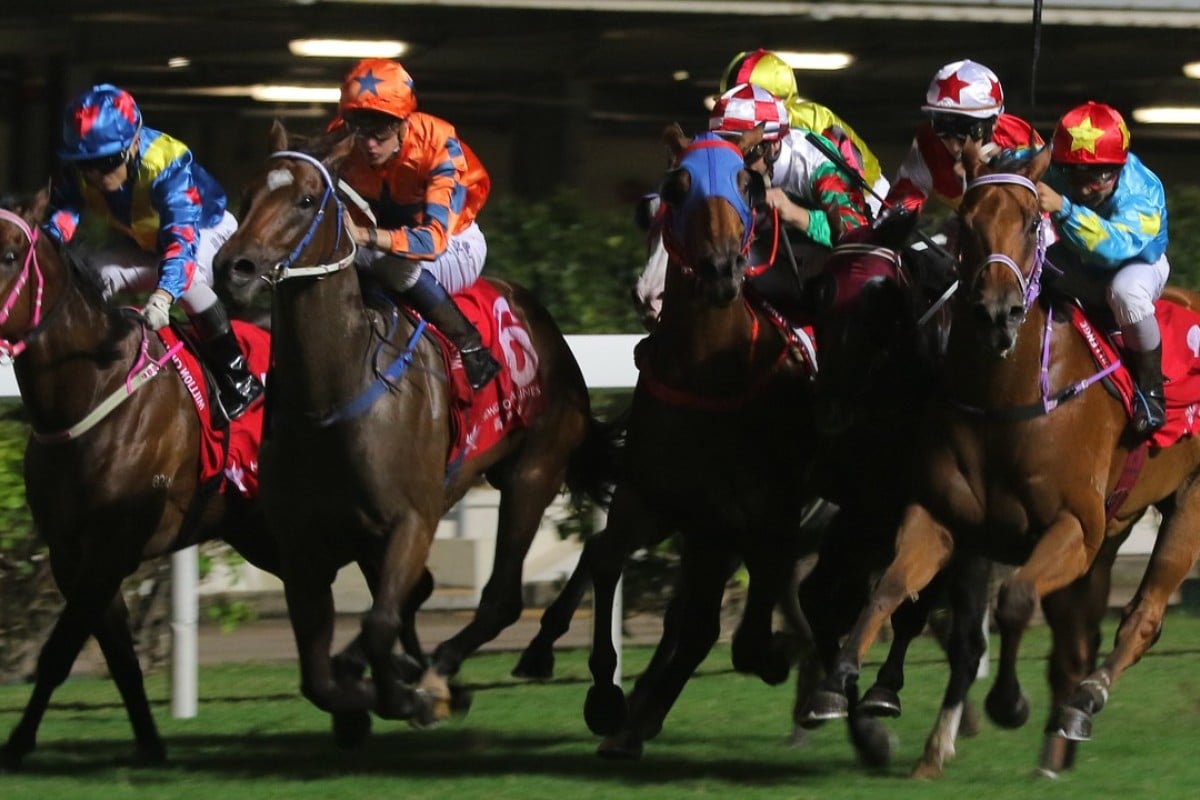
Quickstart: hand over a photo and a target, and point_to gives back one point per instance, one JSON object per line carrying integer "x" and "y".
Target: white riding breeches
{"x": 459, "y": 265}
{"x": 123, "y": 266}
{"x": 1135, "y": 287}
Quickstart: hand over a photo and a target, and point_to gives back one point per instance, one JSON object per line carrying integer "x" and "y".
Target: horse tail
{"x": 595, "y": 464}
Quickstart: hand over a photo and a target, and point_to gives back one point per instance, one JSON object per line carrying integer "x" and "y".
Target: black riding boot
{"x": 237, "y": 388}
{"x": 431, "y": 299}
{"x": 1149, "y": 412}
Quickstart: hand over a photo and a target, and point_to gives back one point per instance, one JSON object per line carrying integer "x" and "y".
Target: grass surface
{"x": 727, "y": 738}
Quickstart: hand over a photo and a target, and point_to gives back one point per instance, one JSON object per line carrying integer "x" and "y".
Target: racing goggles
{"x": 102, "y": 165}
{"x": 958, "y": 126}
{"x": 1092, "y": 176}
{"x": 376, "y": 128}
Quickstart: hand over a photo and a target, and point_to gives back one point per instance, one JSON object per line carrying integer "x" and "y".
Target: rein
{"x": 1030, "y": 289}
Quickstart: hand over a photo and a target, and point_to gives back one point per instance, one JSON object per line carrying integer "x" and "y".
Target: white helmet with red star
{"x": 966, "y": 88}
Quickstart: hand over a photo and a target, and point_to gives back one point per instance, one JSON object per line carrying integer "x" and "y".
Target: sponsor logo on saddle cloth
{"x": 481, "y": 418}
{"x": 233, "y": 451}
{"x": 1180, "y": 362}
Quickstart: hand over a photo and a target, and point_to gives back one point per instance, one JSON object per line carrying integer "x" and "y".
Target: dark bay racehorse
{"x": 106, "y": 490}
{"x": 718, "y": 447}
{"x": 370, "y": 487}
{"x": 1030, "y": 488}
{"x": 881, "y": 321}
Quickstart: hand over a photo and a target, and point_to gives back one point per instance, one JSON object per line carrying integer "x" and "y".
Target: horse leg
{"x": 88, "y": 592}
{"x": 1174, "y": 555}
{"x": 1058, "y": 558}
{"x": 908, "y": 620}
{"x": 523, "y": 501}
{"x": 923, "y": 546}
{"x": 537, "y": 660}
{"x": 701, "y": 588}
{"x": 116, "y": 643}
{"x": 629, "y": 522}
{"x": 755, "y": 648}
{"x": 967, "y": 591}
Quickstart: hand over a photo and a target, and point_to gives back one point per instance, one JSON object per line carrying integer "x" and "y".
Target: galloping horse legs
{"x": 523, "y": 501}
{"x": 629, "y": 522}
{"x": 1058, "y": 558}
{"x": 697, "y": 611}
{"x": 1175, "y": 552}
{"x": 967, "y": 589}
{"x": 755, "y": 648}
{"x": 537, "y": 660}
{"x": 90, "y": 594}
{"x": 923, "y": 546}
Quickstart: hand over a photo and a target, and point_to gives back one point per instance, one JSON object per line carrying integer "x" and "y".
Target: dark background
{"x": 578, "y": 95}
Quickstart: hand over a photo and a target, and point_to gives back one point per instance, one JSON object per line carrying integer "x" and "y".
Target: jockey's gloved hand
{"x": 157, "y": 313}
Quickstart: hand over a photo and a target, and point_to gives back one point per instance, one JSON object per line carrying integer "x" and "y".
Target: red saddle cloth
{"x": 514, "y": 397}
{"x": 234, "y": 451}
{"x": 1180, "y": 361}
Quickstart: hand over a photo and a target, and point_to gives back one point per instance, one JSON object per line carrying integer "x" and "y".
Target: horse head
{"x": 870, "y": 315}
{"x": 1001, "y": 245}
{"x": 22, "y": 281}
{"x": 290, "y": 215}
{"x": 709, "y": 196}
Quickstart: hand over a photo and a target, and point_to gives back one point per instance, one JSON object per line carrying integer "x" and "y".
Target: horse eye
{"x": 307, "y": 201}
{"x": 10, "y": 256}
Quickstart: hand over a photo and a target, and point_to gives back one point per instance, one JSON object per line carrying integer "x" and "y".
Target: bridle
{"x": 285, "y": 269}
{"x": 1030, "y": 287}
{"x": 9, "y": 350}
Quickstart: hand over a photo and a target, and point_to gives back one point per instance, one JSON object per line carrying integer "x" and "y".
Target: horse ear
{"x": 675, "y": 187}
{"x": 36, "y": 212}
{"x": 338, "y": 153}
{"x": 675, "y": 140}
{"x": 1039, "y": 164}
{"x": 972, "y": 159}
{"x": 277, "y": 138}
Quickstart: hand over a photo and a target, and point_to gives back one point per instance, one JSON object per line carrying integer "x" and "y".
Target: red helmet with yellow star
{"x": 378, "y": 84}
{"x": 966, "y": 88}
{"x": 1093, "y": 133}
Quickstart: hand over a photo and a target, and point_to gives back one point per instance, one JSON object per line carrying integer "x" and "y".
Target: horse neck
{"x": 320, "y": 338}
{"x": 714, "y": 344}
{"x": 79, "y": 353}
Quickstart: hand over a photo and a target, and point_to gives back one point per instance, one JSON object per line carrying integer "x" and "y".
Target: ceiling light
{"x": 815, "y": 61}
{"x": 347, "y": 48}
{"x": 681, "y": 74}
{"x": 295, "y": 94}
{"x": 179, "y": 62}
{"x": 1168, "y": 115}
{"x": 1192, "y": 70}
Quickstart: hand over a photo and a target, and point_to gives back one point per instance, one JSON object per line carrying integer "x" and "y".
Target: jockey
{"x": 1110, "y": 214}
{"x": 425, "y": 187}
{"x": 964, "y": 101}
{"x": 809, "y": 193}
{"x": 766, "y": 69}
{"x": 167, "y": 219}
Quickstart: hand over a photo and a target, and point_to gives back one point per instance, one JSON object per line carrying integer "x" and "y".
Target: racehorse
{"x": 109, "y": 483}
{"x": 355, "y": 466}
{"x": 880, "y": 318}
{"x": 1007, "y": 469}
{"x": 718, "y": 447}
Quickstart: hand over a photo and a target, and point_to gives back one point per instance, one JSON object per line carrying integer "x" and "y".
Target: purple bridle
{"x": 1031, "y": 286}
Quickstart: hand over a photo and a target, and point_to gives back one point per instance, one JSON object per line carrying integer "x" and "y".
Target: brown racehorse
{"x": 1029, "y": 488}
{"x": 125, "y": 489}
{"x": 370, "y": 487}
{"x": 719, "y": 447}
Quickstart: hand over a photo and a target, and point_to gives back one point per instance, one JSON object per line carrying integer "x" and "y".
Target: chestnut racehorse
{"x": 106, "y": 490}
{"x": 1000, "y": 475}
{"x": 368, "y": 482}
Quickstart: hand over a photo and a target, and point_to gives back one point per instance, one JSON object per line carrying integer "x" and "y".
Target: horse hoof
{"x": 880, "y": 702}
{"x": 1073, "y": 724}
{"x": 12, "y": 758}
{"x": 429, "y": 709}
{"x": 350, "y": 729}
{"x": 460, "y": 700}
{"x": 872, "y": 741}
{"x": 408, "y": 669}
{"x": 535, "y": 665}
{"x": 799, "y": 738}
{"x": 824, "y": 705}
{"x": 925, "y": 771}
{"x": 1007, "y": 714}
{"x": 604, "y": 710}
{"x": 625, "y": 747}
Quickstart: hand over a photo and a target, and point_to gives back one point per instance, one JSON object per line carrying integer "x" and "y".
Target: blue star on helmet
{"x": 367, "y": 83}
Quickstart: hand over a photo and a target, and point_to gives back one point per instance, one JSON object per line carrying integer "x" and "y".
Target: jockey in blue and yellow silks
{"x": 425, "y": 187}
{"x": 1110, "y": 213}
{"x": 167, "y": 218}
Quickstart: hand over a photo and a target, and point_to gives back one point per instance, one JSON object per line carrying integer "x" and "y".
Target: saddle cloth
{"x": 1181, "y": 367}
{"x": 481, "y": 418}
{"x": 244, "y": 435}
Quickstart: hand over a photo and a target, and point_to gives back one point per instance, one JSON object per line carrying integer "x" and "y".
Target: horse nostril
{"x": 244, "y": 266}
{"x": 1016, "y": 313}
